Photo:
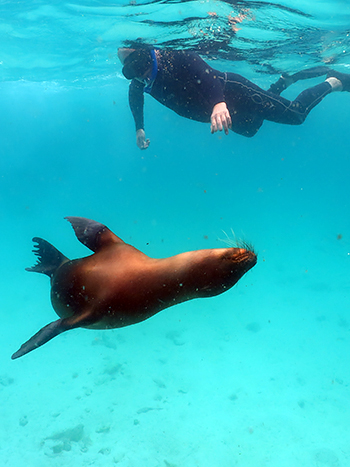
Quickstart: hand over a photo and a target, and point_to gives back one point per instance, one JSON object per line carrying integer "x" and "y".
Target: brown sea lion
{"x": 119, "y": 285}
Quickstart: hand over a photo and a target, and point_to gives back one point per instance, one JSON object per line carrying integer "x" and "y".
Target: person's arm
{"x": 136, "y": 101}
{"x": 208, "y": 78}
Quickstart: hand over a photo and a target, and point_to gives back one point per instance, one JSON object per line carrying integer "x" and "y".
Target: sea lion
{"x": 119, "y": 285}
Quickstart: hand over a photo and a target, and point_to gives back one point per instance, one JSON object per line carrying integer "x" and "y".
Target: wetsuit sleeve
{"x": 208, "y": 78}
{"x": 136, "y": 101}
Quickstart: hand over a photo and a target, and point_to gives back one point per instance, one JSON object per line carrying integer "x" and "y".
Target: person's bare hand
{"x": 220, "y": 118}
{"x": 141, "y": 140}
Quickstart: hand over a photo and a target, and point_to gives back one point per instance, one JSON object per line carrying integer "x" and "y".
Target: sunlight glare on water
{"x": 75, "y": 40}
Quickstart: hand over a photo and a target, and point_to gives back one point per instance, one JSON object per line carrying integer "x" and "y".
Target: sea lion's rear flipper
{"x": 44, "y": 335}
{"x": 53, "y": 329}
{"x": 49, "y": 258}
{"x": 93, "y": 234}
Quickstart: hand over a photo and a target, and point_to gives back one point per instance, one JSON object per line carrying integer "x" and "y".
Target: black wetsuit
{"x": 190, "y": 87}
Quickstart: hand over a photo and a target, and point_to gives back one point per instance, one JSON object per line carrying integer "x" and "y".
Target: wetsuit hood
{"x": 137, "y": 63}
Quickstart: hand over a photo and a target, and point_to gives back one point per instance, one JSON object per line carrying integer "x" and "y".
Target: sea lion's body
{"x": 119, "y": 285}
{"x": 131, "y": 287}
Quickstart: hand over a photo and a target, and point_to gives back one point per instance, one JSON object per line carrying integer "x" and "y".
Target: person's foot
{"x": 283, "y": 83}
{"x": 344, "y": 78}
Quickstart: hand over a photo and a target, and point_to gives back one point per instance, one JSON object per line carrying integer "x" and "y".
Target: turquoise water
{"x": 258, "y": 376}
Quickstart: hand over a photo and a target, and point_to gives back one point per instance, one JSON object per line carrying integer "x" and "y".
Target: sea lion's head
{"x": 219, "y": 269}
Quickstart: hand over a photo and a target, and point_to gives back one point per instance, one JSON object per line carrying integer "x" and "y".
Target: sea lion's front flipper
{"x": 92, "y": 234}
{"x": 53, "y": 329}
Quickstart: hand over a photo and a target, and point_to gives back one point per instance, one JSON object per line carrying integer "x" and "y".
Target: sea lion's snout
{"x": 245, "y": 256}
{"x": 242, "y": 258}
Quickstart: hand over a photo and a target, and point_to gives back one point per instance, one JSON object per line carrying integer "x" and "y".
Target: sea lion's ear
{"x": 92, "y": 234}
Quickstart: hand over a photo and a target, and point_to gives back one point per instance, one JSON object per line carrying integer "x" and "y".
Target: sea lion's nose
{"x": 246, "y": 255}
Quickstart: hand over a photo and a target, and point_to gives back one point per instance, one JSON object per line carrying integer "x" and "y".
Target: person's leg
{"x": 286, "y": 80}
{"x": 280, "y": 110}
{"x": 249, "y": 105}
{"x": 298, "y": 110}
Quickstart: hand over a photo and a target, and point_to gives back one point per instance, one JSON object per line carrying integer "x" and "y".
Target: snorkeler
{"x": 185, "y": 83}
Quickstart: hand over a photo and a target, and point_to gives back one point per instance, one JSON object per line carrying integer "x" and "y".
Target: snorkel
{"x": 140, "y": 64}
{"x": 149, "y": 81}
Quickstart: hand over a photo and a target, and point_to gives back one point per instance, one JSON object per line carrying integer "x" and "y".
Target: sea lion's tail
{"x": 49, "y": 258}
